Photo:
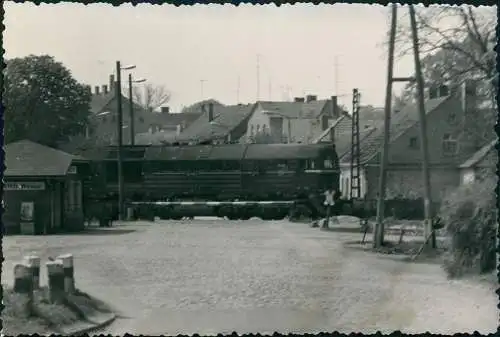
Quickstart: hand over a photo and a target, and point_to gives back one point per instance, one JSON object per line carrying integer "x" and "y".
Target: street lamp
{"x": 131, "y": 106}
{"x": 118, "y": 93}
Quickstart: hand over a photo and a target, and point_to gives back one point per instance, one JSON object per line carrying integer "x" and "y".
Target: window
{"x": 258, "y": 128}
{"x": 414, "y": 143}
{"x": 328, "y": 164}
{"x": 252, "y": 131}
{"x": 264, "y": 128}
{"x": 141, "y": 119}
{"x": 450, "y": 145}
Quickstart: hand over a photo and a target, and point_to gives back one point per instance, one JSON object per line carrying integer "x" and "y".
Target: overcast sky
{"x": 180, "y": 46}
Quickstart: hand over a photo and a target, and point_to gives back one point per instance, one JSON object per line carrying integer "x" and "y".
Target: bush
{"x": 470, "y": 217}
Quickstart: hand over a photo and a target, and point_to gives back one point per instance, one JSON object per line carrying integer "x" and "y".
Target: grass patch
{"x": 45, "y": 317}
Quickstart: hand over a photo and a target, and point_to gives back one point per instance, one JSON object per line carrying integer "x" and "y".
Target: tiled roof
{"x": 28, "y": 159}
{"x": 226, "y": 119}
{"x": 295, "y": 109}
{"x": 165, "y": 119}
{"x": 98, "y": 102}
{"x": 479, "y": 155}
{"x": 157, "y": 138}
{"x": 400, "y": 122}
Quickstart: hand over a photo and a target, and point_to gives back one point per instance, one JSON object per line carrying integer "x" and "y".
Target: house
{"x": 299, "y": 121}
{"x": 104, "y": 112}
{"x": 43, "y": 189}
{"x": 446, "y": 115}
{"x": 166, "y": 125}
{"x": 218, "y": 123}
{"x": 482, "y": 162}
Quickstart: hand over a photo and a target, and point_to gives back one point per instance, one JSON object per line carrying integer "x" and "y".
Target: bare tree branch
{"x": 151, "y": 96}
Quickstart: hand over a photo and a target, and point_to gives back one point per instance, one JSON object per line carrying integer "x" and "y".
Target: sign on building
{"x": 25, "y": 186}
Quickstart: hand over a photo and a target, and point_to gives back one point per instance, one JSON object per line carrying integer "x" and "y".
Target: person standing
{"x": 329, "y": 204}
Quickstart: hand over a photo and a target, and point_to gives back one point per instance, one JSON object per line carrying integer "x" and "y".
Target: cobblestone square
{"x": 210, "y": 276}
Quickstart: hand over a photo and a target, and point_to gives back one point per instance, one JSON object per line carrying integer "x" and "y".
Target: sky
{"x": 215, "y": 51}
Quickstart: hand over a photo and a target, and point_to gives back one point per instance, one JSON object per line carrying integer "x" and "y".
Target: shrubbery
{"x": 470, "y": 217}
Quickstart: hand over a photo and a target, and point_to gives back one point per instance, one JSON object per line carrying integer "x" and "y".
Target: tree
{"x": 455, "y": 43}
{"x": 151, "y": 97}
{"x": 43, "y": 102}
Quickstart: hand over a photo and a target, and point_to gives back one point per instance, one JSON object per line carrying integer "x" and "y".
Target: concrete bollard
{"x": 55, "y": 272}
{"x": 69, "y": 277}
{"x": 34, "y": 263}
{"x": 23, "y": 280}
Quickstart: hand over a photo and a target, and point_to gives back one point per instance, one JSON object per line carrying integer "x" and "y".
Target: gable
{"x": 401, "y": 122}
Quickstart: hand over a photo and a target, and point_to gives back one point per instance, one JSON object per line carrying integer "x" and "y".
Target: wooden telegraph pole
{"x": 428, "y": 230}
{"x": 378, "y": 233}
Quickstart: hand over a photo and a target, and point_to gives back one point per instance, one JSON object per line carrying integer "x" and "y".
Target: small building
{"x": 300, "y": 121}
{"x": 43, "y": 189}
{"x": 482, "y": 162}
{"x": 218, "y": 124}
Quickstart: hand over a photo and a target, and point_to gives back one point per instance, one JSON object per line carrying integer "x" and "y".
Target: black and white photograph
{"x": 214, "y": 169}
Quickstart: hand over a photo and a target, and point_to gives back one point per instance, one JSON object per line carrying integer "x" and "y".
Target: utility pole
{"x": 118, "y": 89}
{"x": 428, "y": 230}
{"x": 131, "y": 107}
{"x": 378, "y": 233}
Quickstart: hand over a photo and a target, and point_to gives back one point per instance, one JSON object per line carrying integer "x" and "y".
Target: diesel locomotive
{"x": 237, "y": 181}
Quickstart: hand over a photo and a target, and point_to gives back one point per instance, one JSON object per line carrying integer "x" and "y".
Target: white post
{"x": 68, "y": 270}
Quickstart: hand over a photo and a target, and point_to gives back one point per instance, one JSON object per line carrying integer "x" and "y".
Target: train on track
{"x": 237, "y": 181}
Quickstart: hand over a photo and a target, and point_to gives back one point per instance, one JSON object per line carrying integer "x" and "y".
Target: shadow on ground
{"x": 408, "y": 251}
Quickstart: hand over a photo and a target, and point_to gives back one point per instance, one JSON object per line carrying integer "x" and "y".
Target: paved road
{"x": 209, "y": 276}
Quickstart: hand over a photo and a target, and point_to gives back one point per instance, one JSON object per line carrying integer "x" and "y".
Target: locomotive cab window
{"x": 328, "y": 163}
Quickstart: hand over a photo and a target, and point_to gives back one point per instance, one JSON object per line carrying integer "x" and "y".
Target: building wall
{"x": 345, "y": 182}
{"x": 446, "y": 119}
{"x": 295, "y": 130}
{"x": 256, "y": 122}
{"x": 12, "y": 204}
{"x": 407, "y": 183}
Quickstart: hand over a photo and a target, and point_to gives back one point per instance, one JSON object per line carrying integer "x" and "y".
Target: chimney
{"x": 443, "y": 90}
{"x": 112, "y": 83}
{"x": 165, "y": 110}
{"x": 311, "y": 98}
{"x": 335, "y": 107}
{"x": 96, "y": 90}
{"x": 104, "y": 89}
{"x": 299, "y": 99}
{"x": 433, "y": 92}
{"x": 210, "y": 112}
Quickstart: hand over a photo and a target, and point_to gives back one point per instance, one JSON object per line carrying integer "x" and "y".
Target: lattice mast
{"x": 355, "y": 181}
